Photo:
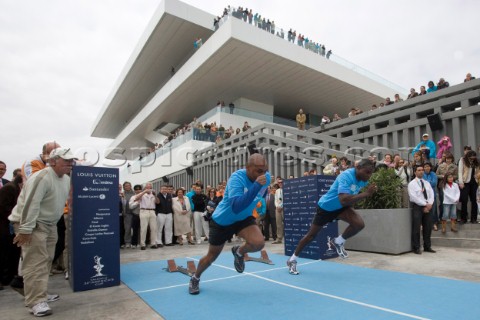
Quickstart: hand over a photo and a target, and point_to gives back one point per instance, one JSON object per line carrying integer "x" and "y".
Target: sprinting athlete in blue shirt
{"x": 233, "y": 215}
{"x": 337, "y": 204}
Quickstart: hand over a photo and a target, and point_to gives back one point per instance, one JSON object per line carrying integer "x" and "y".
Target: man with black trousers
{"x": 164, "y": 213}
{"x": 269, "y": 219}
{"x": 200, "y": 200}
{"x": 421, "y": 196}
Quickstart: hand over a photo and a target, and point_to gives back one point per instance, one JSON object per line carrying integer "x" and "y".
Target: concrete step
{"x": 467, "y": 226}
{"x": 468, "y": 236}
{"x": 455, "y": 242}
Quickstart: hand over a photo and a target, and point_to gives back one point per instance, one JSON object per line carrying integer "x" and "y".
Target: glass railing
{"x": 261, "y": 116}
{"x": 365, "y": 72}
{"x": 324, "y": 53}
{"x": 247, "y": 113}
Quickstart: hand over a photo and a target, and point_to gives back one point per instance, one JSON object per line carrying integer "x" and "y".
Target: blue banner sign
{"x": 300, "y": 197}
{"x": 94, "y": 224}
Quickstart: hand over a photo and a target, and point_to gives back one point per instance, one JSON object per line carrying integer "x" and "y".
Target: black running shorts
{"x": 322, "y": 217}
{"x": 220, "y": 234}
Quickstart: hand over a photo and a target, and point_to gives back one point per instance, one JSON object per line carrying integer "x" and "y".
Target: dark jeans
{"x": 469, "y": 191}
{"x": 420, "y": 218}
{"x": 269, "y": 221}
{"x": 135, "y": 230}
{"x": 122, "y": 230}
{"x": 9, "y": 257}
{"x": 61, "y": 238}
{"x": 440, "y": 202}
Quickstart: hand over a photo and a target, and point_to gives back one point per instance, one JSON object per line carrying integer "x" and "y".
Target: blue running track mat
{"x": 322, "y": 290}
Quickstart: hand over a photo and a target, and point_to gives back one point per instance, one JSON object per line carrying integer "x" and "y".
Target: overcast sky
{"x": 59, "y": 59}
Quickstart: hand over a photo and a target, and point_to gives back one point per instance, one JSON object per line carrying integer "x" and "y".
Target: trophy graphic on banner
{"x": 98, "y": 266}
{"x": 329, "y": 245}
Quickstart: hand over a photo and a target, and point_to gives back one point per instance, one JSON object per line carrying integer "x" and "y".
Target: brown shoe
{"x": 453, "y": 226}
{"x": 444, "y": 226}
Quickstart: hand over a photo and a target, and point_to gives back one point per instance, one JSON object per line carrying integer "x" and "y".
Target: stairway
{"x": 468, "y": 236}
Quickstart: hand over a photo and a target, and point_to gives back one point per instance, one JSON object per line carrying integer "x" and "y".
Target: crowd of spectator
{"x": 177, "y": 214}
{"x": 208, "y": 131}
{"x": 269, "y": 26}
{"x": 431, "y": 87}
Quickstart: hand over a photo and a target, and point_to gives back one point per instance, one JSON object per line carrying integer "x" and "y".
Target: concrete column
{"x": 471, "y": 138}
{"x": 457, "y": 148}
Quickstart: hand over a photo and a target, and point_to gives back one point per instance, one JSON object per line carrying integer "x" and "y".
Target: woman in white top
{"x": 451, "y": 195}
{"x": 182, "y": 214}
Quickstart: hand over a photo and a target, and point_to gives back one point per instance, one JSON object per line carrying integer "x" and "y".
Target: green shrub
{"x": 387, "y": 195}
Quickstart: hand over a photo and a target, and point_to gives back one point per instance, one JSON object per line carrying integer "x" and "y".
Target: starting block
{"x": 189, "y": 271}
{"x": 263, "y": 258}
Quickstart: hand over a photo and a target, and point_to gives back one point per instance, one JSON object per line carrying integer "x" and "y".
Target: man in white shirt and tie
{"x": 422, "y": 197}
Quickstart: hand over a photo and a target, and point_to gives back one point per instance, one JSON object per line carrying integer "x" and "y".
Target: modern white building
{"x": 167, "y": 82}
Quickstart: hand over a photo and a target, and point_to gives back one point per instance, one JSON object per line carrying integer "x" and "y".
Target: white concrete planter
{"x": 386, "y": 231}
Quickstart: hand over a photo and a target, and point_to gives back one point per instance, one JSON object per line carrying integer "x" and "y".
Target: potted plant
{"x": 388, "y": 227}
{"x": 387, "y": 195}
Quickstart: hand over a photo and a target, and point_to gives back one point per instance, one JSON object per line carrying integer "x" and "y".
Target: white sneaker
{"x": 41, "y": 309}
{"x": 52, "y": 297}
{"x": 292, "y": 267}
{"x": 66, "y": 275}
{"x": 199, "y": 241}
{"x": 128, "y": 246}
{"x": 340, "y": 248}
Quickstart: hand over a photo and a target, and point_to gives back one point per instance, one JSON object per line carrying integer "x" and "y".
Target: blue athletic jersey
{"x": 238, "y": 186}
{"x": 347, "y": 183}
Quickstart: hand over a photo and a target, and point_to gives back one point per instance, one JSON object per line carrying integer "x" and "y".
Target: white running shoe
{"x": 52, "y": 297}
{"x": 41, "y": 309}
{"x": 292, "y": 267}
{"x": 342, "y": 253}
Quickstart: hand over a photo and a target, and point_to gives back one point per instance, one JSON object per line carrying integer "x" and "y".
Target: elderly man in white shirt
{"x": 421, "y": 196}
{"x": 147, "y": 201}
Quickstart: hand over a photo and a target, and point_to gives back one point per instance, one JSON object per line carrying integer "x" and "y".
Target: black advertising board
{"x": 94, "y": 229}
{"x": 300, "y": 198}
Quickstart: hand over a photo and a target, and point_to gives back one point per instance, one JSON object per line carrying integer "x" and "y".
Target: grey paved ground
{"x": 121, "y": 303}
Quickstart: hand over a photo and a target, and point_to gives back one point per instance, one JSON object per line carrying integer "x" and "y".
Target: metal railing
{"x": 317, "y": 48}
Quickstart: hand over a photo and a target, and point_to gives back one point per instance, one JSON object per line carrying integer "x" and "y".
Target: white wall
{"x": 254, "y": 106}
